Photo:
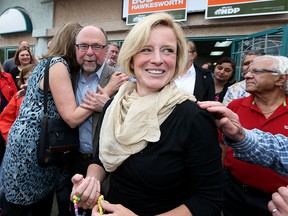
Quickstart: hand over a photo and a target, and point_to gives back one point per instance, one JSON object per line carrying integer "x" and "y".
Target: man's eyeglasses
{"x": 94, "y": 47}
{"x": 259, "y": 70}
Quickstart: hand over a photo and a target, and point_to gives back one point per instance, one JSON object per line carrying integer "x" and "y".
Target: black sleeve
{"x": 203, "y": 162}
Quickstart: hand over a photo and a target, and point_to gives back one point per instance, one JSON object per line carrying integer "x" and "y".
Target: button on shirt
{"x": 187, "y": 82}
{"x": 85, "y": 129}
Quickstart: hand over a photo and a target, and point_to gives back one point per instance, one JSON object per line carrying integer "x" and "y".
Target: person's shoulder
{"x": 6, "y": 75}
{"x": 203, "y": 72}
{"x": 188, "y": 111}
{"x": 9, "y": 61}
{"x": 8, "y": 64}
{"x": 108, "y": 71}
{"x": 8, "y": 79}
{"x": 56, "y": 59}
{"x": 187, "y": 107}
{"x": 13, "y": 69}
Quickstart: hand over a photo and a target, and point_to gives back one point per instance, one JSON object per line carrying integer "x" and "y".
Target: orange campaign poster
{"x": 137, "y": 9}
{"x": 144, "y": 6}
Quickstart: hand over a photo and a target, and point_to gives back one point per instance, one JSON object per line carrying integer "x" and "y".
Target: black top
{"x": 183, "y": 167}
{"x": 220, "y": 95}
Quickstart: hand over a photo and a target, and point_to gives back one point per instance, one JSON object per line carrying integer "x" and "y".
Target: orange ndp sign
{"x": 138, "y": 9}
{"x": 146, "y": 6}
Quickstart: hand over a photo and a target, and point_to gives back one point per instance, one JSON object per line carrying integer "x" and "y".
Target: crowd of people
{"x": 147, "y": 142}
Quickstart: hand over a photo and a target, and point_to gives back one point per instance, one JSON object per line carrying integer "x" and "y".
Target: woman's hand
{"x": 112, "y": 209}
{"x": 88, "y": 189}
{"x": 22, "y": 90}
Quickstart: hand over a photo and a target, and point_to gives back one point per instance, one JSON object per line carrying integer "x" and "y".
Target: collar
{"x": 284, "y": 102}
{"x": 191, "y": 70}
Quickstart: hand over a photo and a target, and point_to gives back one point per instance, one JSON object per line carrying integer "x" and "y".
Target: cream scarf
{"x": 131, "y": 121}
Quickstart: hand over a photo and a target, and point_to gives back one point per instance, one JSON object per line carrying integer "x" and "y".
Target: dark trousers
{"x": 63, "y": 191}
{"x": 241, "y": 200}
{"x": 42, "y": 207}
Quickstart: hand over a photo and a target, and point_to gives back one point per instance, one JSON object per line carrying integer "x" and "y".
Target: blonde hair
{"x": 138, "y": 36}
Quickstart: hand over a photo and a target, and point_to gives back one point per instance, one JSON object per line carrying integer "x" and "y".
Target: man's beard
{"x": 90, "y": 64}
{"x": 89, "y": 68}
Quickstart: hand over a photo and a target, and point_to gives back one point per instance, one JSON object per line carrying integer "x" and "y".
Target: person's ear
{"x": 281, "y": 80}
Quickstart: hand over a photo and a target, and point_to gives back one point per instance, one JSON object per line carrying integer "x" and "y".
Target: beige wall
{"x": 108, "y": 15}
{"x": 103, "y": 13}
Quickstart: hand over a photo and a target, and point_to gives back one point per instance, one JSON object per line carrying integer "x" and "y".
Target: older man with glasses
{"x": 95, "y": 74}
{"x": 97, "y": 82}
{"x": 254, "y": 146}
{"x": 250, "y": 187}
{"x": 237, "y": 90}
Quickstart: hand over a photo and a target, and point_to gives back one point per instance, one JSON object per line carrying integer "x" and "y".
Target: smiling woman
{"x": 223, "y": 75}
{"x": 154, "y": 65}
{"x": 159, "y": 148}
{"x": 22, "y": 58}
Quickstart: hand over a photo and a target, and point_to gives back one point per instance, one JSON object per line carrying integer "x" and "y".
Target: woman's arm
{"x": 204, "y": 165}
{"x": 62, "y": 91}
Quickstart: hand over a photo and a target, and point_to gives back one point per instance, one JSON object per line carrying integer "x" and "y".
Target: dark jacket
{"x": 204, "y": 85}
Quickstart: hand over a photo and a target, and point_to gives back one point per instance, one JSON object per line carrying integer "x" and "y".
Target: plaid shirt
{"x": 264, "y": 149}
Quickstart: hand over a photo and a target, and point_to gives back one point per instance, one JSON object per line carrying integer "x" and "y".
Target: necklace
{"x": 76, "y": 199}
